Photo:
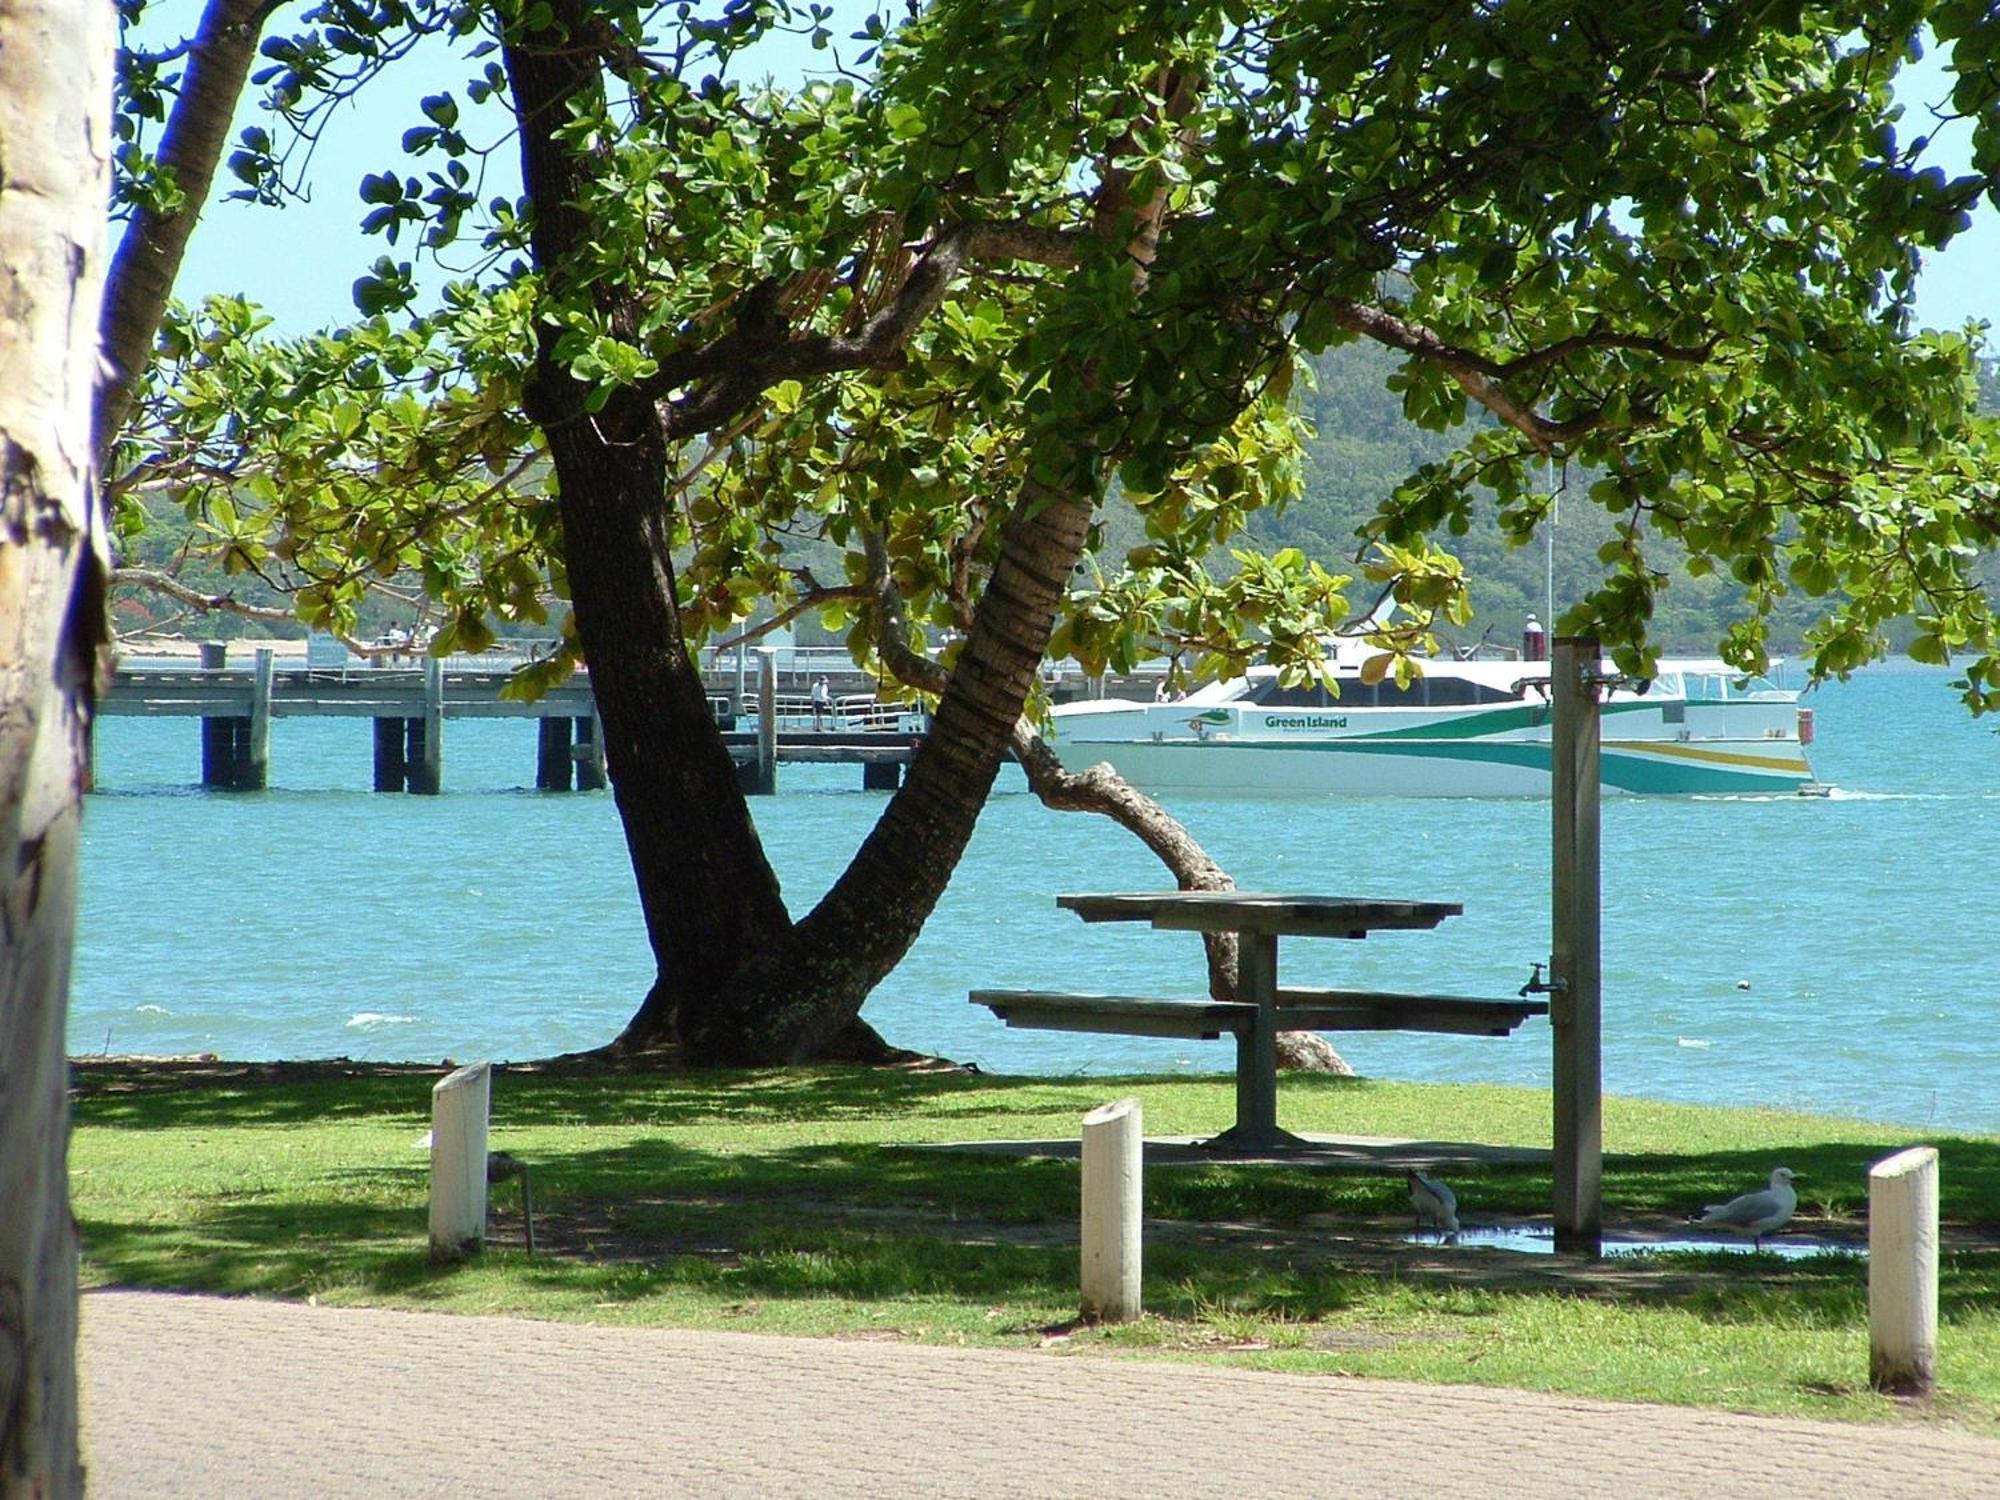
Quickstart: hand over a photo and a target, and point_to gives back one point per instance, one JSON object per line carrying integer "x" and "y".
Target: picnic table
{"x": 1262, "y": 1008}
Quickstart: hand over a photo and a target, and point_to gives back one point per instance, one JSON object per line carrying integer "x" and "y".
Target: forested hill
{"x": 1363, "y": 448}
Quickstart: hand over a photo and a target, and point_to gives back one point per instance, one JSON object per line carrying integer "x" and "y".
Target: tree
{"x": 55, "y": 67}
{"x": 928, "y": 322}
{"x": 162, "y": 195}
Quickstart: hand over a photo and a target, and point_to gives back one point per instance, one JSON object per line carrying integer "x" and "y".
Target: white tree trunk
{"x": 55, "y": 91}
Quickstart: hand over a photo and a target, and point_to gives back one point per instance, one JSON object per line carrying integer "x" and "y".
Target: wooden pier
{"x": 411, "y": 704}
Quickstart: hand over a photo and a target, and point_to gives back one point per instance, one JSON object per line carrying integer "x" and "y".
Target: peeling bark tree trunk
{"x": 55, "y": 83}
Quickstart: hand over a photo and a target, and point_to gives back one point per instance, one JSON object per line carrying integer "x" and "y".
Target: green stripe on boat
{"x": 1626, "y": 771}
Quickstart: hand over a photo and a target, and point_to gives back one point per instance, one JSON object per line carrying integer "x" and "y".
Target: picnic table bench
{"x": 1264, "y": 1009}
{"x": 1297, "y": 1010}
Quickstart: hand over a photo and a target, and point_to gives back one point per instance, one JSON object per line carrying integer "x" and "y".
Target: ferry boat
{"x": 1470, "y": 728}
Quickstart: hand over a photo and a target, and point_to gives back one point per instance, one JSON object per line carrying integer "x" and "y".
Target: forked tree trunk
{"x": 738, "y": 981}
{"x": 794, "y": 997}
{"x": 55, "y": 81}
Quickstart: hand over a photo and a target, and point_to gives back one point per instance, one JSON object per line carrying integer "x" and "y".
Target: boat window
{"x": 1423, "y": 692}
{"x": 1271, "y": 693}
{"x": 1453, "y": 692}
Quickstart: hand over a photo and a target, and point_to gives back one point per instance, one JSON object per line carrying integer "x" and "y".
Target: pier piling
{"x": 423, "y": 753}
{"x": 225, "y": 741}
{"x": 388, "y": 755}
{"x": 760, "y": 777}
{"x": 407, "y": 706}
{"x": 589, "y": 753}
{"x": 552, "y": 754}
{"x": 253, "y": 771}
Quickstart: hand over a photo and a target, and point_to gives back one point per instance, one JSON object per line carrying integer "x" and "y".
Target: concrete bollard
{"x": 1113, "y": 1135}
{"x": 1903, "y": 1272}
{"x": 459, "y": 1105}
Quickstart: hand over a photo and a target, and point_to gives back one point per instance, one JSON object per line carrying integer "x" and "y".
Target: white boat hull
{"x": 1747, "y": 747}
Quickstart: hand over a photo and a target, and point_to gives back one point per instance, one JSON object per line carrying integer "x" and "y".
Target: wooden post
{"x": 1575, "y": 961}
{"x": 552, "y": 757}
{"x": 426, "y": 742}
{"x": 459, "y": 1105}
{"x": 253, "y": 771}
{"x": 1256, "y": 1127}
{"x": 1113, "y": 1201}
{"x": 1903, "y": 1272}
{"x": 590, "y": 774}
{"x": 388, "y": 755}
{"x": 881, "y": 775}
{"x": 765, "y": 778}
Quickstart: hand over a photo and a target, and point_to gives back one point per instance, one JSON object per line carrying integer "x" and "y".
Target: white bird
{"x": 1756, "y": 1214}
{"x": 1434, "y": 1202}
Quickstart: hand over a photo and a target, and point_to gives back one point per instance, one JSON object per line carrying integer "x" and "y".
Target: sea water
{"x": 1832, "y": 955}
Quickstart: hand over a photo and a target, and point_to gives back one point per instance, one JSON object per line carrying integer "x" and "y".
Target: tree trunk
{"x": 55, "y": 80}
{"x": 792, "y": 998}
{"x": 149, "y": 256}
{"x": 737, "y": 981}
{"x": 708, "y": 893}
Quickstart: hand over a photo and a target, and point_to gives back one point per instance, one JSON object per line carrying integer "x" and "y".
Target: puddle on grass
{"x": 1529, "y": 1240}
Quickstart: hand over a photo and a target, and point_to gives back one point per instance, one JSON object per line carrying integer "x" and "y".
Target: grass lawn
{"x": 806, "y": 1202}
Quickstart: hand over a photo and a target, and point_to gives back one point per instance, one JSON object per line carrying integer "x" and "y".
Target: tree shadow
{"x": 155, "y": 1094}
{"x": 643, "y": 1217}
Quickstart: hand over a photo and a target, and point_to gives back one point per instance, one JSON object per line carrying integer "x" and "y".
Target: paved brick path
{"x": 191, "y": 1396}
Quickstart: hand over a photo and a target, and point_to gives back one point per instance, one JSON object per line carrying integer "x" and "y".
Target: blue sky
{"x": 300, "y": 262}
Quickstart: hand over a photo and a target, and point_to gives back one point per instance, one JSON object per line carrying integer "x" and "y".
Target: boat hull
{"x": 1646, "y": 749}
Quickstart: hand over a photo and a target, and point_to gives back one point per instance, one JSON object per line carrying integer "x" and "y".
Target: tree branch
{"x": 722, "y": 378}
{"x": 149, "y": 256}
{"x": 1480, "y": 377}
{"x": 165, "y": 583}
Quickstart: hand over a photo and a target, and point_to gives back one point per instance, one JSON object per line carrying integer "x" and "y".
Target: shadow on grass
{"x": 644, "y": 1218}
{"x": 165, "y": 1094}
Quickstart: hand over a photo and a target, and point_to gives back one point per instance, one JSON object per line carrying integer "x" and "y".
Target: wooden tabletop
{"x": 1252, "y": 911}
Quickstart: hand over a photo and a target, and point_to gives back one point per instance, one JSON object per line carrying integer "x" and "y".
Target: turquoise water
{"x": 1832, "y": 955}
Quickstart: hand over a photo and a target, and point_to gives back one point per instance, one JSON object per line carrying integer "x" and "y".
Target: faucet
{"x": 1537, "y": 985}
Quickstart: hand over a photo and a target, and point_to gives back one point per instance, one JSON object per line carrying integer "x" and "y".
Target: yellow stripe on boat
{"x": 1682, "y": 751}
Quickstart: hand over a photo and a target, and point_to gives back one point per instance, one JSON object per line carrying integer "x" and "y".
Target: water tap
{"x": 1537, "y": 985}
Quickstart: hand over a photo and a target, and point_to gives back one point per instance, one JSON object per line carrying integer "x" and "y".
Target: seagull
{"x": 1434, "y": 1202}
{"x": 1756, "y": 1214}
